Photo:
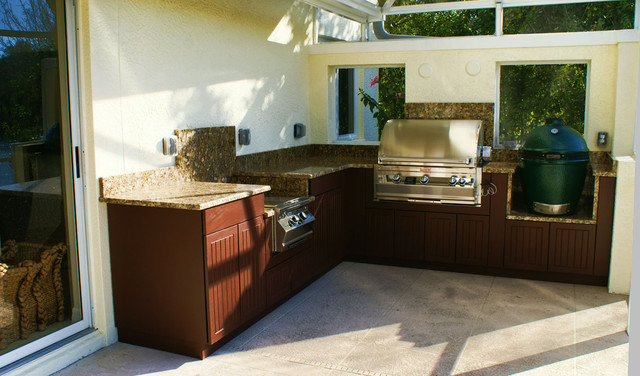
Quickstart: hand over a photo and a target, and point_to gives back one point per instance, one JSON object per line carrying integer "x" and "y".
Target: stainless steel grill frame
{"x": 432, "y": 161}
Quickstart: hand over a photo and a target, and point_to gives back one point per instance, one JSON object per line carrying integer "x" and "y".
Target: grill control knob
{"x": 396, "y": 178}
{"x": 453, "y": 180}
{"x": 291, "y": 222}
{"x": 424, "y": 179}
{"x": 462, "y": 182}
{"x": 295, "y": 219}
{"x": 303, "y": 216}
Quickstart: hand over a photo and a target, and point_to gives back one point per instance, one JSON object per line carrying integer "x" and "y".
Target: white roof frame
{"x": 365, "y": 11}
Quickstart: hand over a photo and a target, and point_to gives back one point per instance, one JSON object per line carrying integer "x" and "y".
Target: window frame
{"x": 498, "y": 5}
{"x": 72, "y": 153}
{"x": 496, "y": 116}
{"x": 358, "y": 135}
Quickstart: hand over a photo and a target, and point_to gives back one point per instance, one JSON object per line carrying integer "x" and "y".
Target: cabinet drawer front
{"x": 235, "y": 212}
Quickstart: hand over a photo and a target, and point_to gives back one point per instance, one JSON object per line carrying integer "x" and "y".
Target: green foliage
{"x": 614, "y": 15}
{"x": 21, "y": 93}
{"x": 530, "y": 94}
{"x": 610, "y": 15}
{"x": 443, "y": 24}
{"x": 390, "y": 94}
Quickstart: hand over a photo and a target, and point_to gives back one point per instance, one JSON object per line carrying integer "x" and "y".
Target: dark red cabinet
{"x": 526, "y": 245}
{"x": 379, "y": 239}
{"x": 571, "y": 248}
{"x": 252, "y": 252}
{"x": 185, "y": 279}
{"x": 409, "y": 235}
{"x": 440, "y": 237}
{"x": 223, "y": 285}
{"x": 472, "y": 243}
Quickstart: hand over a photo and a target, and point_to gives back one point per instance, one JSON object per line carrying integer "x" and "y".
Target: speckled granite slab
{"x": 169, "y": 188}
{"x": 187, "y": 195}
{"x": 207, "y": 154}
{"x": 288, "y": 171}
{"x": 469, "y": 111}
{"x": 111, "y": 186}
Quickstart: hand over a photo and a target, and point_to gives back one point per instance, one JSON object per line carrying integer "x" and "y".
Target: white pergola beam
{"x": 357, "y": 10}
{"x": 526, "y": 3}
{"x": 439, "y": 7}
{"x": 478, "y": 4}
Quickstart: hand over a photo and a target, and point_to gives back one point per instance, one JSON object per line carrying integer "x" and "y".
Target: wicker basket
{"x": 34, "y": 289}
{"x": 10, "y": 280}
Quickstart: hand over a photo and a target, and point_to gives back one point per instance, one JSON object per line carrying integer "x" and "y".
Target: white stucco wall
{"x": 611, "y": 97}
{"x": 148, "y": 67}
{"x": 165, "y": 65}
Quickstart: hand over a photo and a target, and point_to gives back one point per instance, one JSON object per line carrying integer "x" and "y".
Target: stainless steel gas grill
{"x": 433, "y": 161}
{"x": 293, "y": 222}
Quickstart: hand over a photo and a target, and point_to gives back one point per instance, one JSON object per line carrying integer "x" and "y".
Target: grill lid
{"x": 554, "y": 140}
{"x": 441, "y": 142}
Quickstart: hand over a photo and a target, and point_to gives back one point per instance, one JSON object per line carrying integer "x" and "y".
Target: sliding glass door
{"x": 42, "y": 262}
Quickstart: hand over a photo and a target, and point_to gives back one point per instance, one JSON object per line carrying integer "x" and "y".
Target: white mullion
{"x": 387, "y": 5}
{"x": 527, "y": 3}
{"x": 636, "y": 24}
{"x": 499, "y": 18}
{"x": 440, "y": 7}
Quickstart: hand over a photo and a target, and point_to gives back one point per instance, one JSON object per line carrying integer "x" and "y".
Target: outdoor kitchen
{"x": 394, "y": 187}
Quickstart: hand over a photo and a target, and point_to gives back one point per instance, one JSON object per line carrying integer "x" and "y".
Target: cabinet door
{"x": 440, "y": 237}
{"x": 526, "y": 245}
{"x": 337, "y": 241}
{"x": 571, "y": 248}
{"x": 321, "y": 229}
{"x": 252, "y": 265}
{"x": 303, "y": 268}
{"x": 278, "y": 280}
{"x": 379, "y": 231}
{"x": 223, "y": 286}
{"x": 472, "y": 245}
{"x": 409, "y": 235}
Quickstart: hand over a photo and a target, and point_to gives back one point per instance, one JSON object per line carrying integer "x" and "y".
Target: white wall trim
{"x": 479, "y": 42}
{"x": 63, "y": 356}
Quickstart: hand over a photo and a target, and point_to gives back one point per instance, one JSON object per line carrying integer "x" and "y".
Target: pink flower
{"x": 374, "y": 80}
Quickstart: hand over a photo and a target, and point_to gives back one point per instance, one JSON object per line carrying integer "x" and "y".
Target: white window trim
{"x": 354, "y": 135}
{"x": 496, "y": 108}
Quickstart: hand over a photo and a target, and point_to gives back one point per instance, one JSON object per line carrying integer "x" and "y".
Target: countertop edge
{"x": 224, "y": 198}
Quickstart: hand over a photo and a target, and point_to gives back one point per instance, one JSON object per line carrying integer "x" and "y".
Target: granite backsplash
{"x": 207, "y": 154}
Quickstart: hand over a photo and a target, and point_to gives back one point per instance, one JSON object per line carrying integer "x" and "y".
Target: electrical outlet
{"x": 170, "y": 146}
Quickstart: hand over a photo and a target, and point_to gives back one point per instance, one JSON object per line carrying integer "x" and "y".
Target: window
{"x": 530, "y": 94}
{"x": 463, "y": 18}
{"x": 599, "y": 16}
{"x": 366, "y": 97}
{"x": 444, "y": 23}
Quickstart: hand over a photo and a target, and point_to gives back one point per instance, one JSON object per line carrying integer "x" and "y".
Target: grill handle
{"x": 423, "y": 161}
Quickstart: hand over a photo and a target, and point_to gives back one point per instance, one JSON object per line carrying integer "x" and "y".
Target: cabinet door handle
{"x": 77, "y": 152}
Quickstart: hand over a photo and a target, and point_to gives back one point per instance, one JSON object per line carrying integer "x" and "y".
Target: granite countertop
{"x": 167, "y": 188}
{"x": 305, "y": 168}
{"x": 187, "y": 195}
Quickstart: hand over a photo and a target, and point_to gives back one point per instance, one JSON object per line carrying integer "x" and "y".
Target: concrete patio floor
{"x": 362, "y": 319}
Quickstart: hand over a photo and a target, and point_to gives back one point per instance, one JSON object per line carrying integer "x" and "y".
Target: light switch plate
{"x": 244, "y": 136}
